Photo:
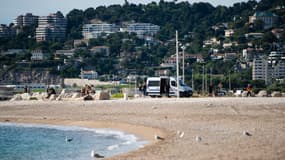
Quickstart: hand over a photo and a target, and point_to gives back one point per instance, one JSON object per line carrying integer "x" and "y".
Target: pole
{"x": 206, "y": 80}
{"x": 183, "y": 63}
{"x": 193, "y": 79}
{"x": 230, "y": 86}
{"x": 203, "y": 80}
{"x": 211, "y": 78}
{"x": 177, "y": 66}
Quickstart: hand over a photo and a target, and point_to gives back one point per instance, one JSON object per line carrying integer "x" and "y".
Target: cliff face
{"x": 29, "y": 76}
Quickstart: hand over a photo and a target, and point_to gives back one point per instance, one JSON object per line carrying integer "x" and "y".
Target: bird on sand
{"x": 158, "y": 137}
{"x": 96, "y": 155}
{"x": 180, "y": 134}
{"x": 246, "y": 133}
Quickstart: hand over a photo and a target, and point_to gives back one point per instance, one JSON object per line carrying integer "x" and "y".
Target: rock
{"x": 17, "y": 97}
{"x": 75, "y": 95}
{"x": 52, "y": 97}
{"x": 244, "y": 94}
{"x": 33, "y": 98}
{"x": 276, "y": 94}
{"x": 126, "y": 96}
{"x": 88, "y": 98}
{"x": 25, "y": 96}
{"x": 137, "y": 96}
{"x": 102, "y": 96}
{"x": 262, "y": 93}
{"x": 59, "y": 97}
{"x": 62, "y": 91}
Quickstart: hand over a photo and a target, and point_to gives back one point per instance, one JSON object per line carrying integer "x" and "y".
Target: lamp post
{"x": 177, "y": 66}
{"x": 193, "y": 78}
{"x": 203, "y": 80}
{"x": 183, "y": 63}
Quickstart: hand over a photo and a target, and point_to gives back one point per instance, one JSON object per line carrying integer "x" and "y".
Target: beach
{"x": 214, "y": 128}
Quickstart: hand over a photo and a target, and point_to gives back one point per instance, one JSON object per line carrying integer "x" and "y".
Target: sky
{"x": 10, "y": 9}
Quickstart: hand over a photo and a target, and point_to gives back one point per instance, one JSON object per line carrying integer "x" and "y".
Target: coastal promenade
{"x": 214, "y": 128}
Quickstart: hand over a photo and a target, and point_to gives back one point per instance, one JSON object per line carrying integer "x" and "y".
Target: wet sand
{"x": 219, "y": 123}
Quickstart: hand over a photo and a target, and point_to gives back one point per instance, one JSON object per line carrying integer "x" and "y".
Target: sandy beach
{"x": 214, "y": 128}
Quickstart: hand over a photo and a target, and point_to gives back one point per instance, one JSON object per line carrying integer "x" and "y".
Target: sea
{"x": 49, "y": 142}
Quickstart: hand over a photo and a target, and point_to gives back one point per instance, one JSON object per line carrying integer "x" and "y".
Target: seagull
{"x": 180, "y": 134}
{"x": 158, "y": 137}
{"x": 246, "y": 133}
{"x": 68, "y": 139}
{"x": 96, "y": 155}
{"x": 198, "y": 138}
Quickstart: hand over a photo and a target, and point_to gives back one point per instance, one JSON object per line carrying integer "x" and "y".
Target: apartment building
{"x": 26, "y": 20}
{"x": 51, "y": 27}
{"x": 142, "y": 29}
{"x": 269, "y": 68}
{"x": 90, "y": 31}
{"x": 269, "y": 19}
{"x": 260, "y": 68}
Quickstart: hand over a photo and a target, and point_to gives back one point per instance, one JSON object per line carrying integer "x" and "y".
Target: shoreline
{"x": 219, "y": 122}
{"x": 141, "y": 132}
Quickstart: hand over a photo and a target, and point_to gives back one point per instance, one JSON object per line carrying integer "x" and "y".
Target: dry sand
{"x": 219, "y": 122}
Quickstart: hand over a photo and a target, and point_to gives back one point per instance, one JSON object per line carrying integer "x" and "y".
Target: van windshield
{"x": 181, "y": 83}
{"x": 153, "y": 83}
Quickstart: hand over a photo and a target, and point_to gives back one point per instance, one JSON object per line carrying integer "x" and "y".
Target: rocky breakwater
{"x": 62, "y": 96}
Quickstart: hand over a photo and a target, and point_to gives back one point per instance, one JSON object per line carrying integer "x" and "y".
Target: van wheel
{"x": 152, "y": 96}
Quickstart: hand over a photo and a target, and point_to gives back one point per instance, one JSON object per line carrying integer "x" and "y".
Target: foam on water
{"x": 107, "y": 142}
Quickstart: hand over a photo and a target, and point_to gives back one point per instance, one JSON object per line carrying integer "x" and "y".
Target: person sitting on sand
{"x": 50, "y": 91}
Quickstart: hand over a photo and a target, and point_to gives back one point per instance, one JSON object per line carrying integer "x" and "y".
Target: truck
{"x": 166, "y": 86}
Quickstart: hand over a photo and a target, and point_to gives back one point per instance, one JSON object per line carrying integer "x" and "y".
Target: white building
{"x": 51, "y": 27}
{"x": 260, "y": 69}
{"x": 38, "y": 55}
{"x": 142, "y": 29}
{"x": 26, "y": 20}
{"x": 229, "y": 33}
{"x": 68, "y": 53}
{"x": 268, "y": 68}
{"x": 90, "y": 74}
{"x": 90, "y": 31}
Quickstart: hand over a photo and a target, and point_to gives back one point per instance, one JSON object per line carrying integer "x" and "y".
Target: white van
{"x": 166, "y": 86}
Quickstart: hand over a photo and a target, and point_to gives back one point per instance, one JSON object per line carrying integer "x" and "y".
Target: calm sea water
{"x": 48, "y": 142}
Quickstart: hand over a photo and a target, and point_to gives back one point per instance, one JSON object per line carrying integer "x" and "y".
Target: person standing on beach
{"x": 248, "y": 89}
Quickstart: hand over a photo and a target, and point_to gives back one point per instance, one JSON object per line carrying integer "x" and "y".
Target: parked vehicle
{"x": 166, "y": 86}
{"x": 222, "y": 92}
